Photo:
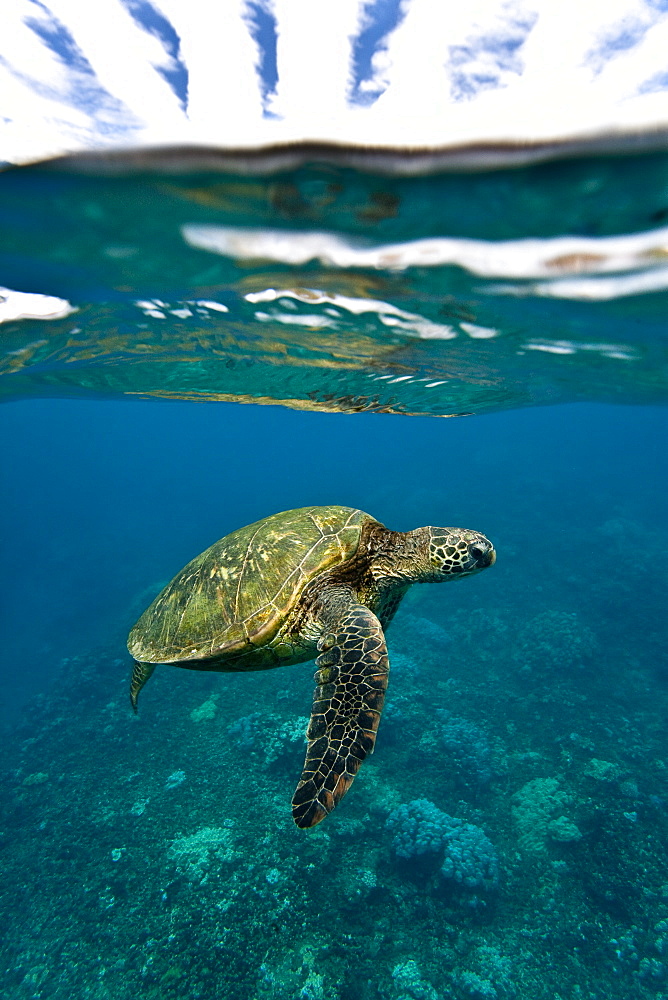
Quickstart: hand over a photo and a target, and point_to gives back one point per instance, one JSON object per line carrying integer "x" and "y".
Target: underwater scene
{"x": 184, "y": 354}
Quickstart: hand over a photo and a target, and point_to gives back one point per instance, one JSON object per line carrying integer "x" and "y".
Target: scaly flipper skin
{"x": 140, "y": 674}
{"x": 351, "y": 681}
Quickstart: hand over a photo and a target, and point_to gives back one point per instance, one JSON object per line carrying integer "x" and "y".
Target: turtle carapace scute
{"x": 321, "y": 582}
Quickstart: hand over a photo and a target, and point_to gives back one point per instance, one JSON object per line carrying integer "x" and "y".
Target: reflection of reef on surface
{"x": 326, "y": 288}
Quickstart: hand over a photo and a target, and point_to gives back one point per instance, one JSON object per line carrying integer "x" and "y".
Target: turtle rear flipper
{"x": 140, "y": 674}
{"x": 351, "y": 680}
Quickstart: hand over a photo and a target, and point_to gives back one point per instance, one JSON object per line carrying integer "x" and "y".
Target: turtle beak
{"x": 483, "y": 554}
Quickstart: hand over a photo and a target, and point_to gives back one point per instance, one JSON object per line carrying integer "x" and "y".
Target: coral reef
{"x": 409, "y": 983}
{"x": 537, "y": 811}
{"x": 467, "y": 751}
{"x": 244, "y": 731}
{"x": 194, "y": 854}
{"x": 421, "y": 828}
{"x": 470, "y": 858}
{"x": 206, "y": 711}
{"x": 490, "y": 977}
{"x": 175, "y": 779}
{"x": 555, "y": 641}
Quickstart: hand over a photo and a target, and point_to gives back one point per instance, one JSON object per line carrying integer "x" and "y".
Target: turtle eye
{"x": 477, "y": 552}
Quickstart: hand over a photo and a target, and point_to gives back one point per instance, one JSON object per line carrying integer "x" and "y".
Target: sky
{"x": 119, "y": 73}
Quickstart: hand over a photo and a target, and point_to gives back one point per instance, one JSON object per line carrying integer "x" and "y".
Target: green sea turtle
{"x": 317, "y": 581}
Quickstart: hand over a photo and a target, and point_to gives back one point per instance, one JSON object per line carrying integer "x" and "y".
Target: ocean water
{"x": 507, "y": 839}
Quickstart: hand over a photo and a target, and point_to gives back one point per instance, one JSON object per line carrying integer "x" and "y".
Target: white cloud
{"x": 450, "y": 73}
{"x": 223, "y": 92}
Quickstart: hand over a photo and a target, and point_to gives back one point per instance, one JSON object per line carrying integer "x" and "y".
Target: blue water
{"x": 551, "y": 660}
{"x": 507, "y": 839}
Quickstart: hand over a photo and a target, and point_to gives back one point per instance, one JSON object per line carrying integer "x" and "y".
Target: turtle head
{"x": 448, "y": 553}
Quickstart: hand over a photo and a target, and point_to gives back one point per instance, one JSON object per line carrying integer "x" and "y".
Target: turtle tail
{"x": 140, "y": 674}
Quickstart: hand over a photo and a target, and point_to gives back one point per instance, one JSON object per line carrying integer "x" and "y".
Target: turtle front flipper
{"x": 351, "y": 681}
{"x": 140, "y": 674}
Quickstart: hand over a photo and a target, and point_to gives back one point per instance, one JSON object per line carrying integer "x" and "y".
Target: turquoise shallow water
{"x": 507, "y": 838}
{"x": 324, "y": 287}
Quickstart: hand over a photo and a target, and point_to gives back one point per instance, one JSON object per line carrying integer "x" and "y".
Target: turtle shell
{"x": 242, "y": 588}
